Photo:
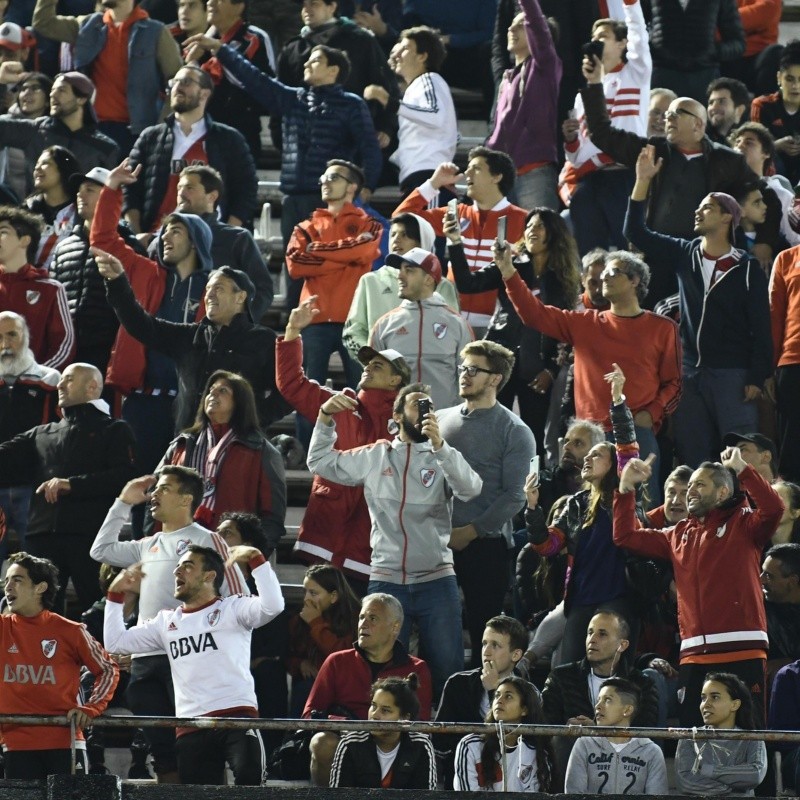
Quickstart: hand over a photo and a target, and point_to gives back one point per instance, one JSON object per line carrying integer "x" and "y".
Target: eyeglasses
{"x": 185, "y": 81}
{"x": 612, "y": 272}
{"x": 332, "y": 177}
{"x": 472, "y": 370}
{"x": 674, "y": 114}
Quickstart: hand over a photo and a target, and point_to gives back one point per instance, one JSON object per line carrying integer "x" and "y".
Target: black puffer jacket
{"x": 686, "y": 40}
{"x": 227, "y": 152}
{"x": 89, "y": 448}
{"x": 94, "y": 320}
{"x": 200, "y": 348}
{"x": 566, "y": 694}
{"x": 367, "y": 66}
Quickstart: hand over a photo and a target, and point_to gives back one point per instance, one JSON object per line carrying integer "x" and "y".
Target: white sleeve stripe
{"x": 69, "y": 332}
{"x": 103, "y": 682}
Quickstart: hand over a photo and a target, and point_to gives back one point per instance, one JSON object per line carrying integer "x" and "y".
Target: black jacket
{"x": 355, "y": 764}
{"x": 566, "y": 694}
{"x": 94, "y": 320}
{"x": 534, "y": 351}
{"x": 697, "y": 37}
{"x": 200, "y": 348}
{"x": 726, "y": 327}
{"x": 87, "y": 447}
{"x": 783, "y": 629}
{"x": 87, "y": 144}
{"x": 227, "y": 152}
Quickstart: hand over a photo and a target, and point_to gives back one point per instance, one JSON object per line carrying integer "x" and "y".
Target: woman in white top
{"x": 518, "y": 763}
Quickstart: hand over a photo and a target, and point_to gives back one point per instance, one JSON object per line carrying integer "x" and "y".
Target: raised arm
{"x": 348, "y": 467}
{"x": 55, "y": 26}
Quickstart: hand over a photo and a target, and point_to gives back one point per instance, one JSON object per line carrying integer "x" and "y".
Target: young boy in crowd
{"x": 617, "y": 764}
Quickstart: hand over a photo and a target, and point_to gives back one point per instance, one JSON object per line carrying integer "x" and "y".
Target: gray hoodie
{"x": 597, "y": 767}
{"x": 716, "y": 767}
{"x": 409, "y": 491}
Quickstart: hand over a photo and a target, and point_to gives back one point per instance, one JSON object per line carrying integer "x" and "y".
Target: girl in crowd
{"x": 387, "y": 759}
{"x": 597, "y": 574}
{"x": 54, "y": 198}
{"x": 548, "y": 262}
{"x": 724, "y": 766}
{"x": 326, "y": 623}
{"x": 242, "y": 470}
{"x": 515, "y": 764}
{"x": 788, "y": 528}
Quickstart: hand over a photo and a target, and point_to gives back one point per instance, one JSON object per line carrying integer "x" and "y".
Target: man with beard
{"x": 128, "y": 55}
{"x": 780, "y": 580}
{"x": 336, "y": 524}
{"x": 409, "y": 485}
{"x": 27, "y": 398}
{"x": 215, "y": 642}
{"x": 173, "y": 500}
{"x": 498, "y": 446}
{"x": 723, "y": 626}
{"x": 189, "y": 136}
{"x": 72, "y": 123}
{"x": 428, "y": 333}
{"x": 726, "y": 102}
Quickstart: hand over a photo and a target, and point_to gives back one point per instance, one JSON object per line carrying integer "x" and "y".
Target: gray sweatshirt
{"x": 499, "y": 446}
{"x": 716, "y": 767}
{"x": 597, "y": 767}
{"x": 409, "y": 491}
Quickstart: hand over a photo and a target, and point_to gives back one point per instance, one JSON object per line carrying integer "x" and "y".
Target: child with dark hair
{"x": 616, "y": 764}
{"x": 710, "y": 766}
{"x": 389, "y": 759}
{"x": 517, "y": 763}
{"x": 326, "y": 623}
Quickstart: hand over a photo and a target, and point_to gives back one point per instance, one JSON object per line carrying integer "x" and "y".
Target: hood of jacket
{"x": 427, "y": 235}
{"x": 199, "y": 235}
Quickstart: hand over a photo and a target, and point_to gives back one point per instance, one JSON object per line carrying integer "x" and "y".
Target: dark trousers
{"x": 150, "y": 693}
{"x": 482, "y": 572}
{"x": 691, "y": 678}
{"x": 33, "y": 764}
{"x": 295, "y": 209}
{"x": 787, "y": 389}
{"x": 573, "y": 645}
{"x": 533, "y": 407}
{"x": 598, "y": 208}
{"x": 70, "y": 553}
{"x": 685, "y": 84}
{"x": 202, "y": 756}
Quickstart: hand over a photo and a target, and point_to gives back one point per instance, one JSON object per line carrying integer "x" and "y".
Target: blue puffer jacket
{"x": 319, "y": 123}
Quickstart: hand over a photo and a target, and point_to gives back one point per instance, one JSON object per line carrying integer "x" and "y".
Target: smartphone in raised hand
{"x": 502, "y": 229}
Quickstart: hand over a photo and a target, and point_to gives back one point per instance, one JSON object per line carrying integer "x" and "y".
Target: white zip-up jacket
{"x": 409, "y": 490}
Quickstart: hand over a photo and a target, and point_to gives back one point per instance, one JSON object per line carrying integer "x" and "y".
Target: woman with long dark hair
{"x": 326, "y": 623}
{"x": 54, "y": 198}
{"x": 722, "y": 766}
{"x": 387, "y": 759}
{"x": 515, "y": 763}
{"x": 241, "y": 469}
{"x": 548, "y": 261}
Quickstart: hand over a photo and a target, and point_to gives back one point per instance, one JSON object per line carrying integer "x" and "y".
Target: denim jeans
{"x": 537, "y": 187}
{"x": 319, "y": 342}
{"x": 436, "y": 608}
{"x": 15, "y": 502}
{"x": 712, "y": 405}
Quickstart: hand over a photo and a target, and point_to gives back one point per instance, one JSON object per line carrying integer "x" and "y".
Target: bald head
{"x": 685, "y": 122}
{"x": 80, "y": 383}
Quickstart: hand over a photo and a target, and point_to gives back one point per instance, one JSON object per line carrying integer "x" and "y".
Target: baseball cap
{"x": 758, "y": 439}
{"x": 417, "y": 257}
{"x": 729, "y": 205}
{"x": 97, "y": 175}
{"x": 367, "y": 353}
{"x": 15, "y": 37}
{"x": 242, "y": 280}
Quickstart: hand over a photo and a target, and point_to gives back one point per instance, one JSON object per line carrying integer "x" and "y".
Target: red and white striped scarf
{"x": 207, "y": 458}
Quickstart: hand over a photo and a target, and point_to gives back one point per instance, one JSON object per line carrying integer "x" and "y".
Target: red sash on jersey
{"x": 196, "y": 154}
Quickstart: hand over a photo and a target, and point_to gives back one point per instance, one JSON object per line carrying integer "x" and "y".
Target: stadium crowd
{"x": 559, "y": 480}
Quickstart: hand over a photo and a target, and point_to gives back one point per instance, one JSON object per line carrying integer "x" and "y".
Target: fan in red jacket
{"x": 716, "y": 558}
{"x": 342, "y": 686}
{"x": 29, "y": 292}
{"x": 336, "y": 524}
